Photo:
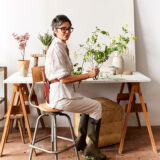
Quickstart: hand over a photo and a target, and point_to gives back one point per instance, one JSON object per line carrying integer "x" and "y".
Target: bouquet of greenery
{"x": 93, "y": 51}
{"x": 119, "y": 43}
{"x": 96, "y": 53}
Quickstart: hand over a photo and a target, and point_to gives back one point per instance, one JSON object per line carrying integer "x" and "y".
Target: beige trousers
{"x": 81, "y": 105}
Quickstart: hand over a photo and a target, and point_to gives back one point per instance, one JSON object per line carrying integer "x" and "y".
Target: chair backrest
{"x": 38, "y": 74}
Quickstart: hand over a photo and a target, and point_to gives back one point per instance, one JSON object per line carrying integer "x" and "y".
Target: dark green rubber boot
{"x": 82, "y": 132}
{"x": 92, "y": 149}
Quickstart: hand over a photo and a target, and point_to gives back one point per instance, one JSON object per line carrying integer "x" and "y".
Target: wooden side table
{"x": 4, "y": 98}
{"x": 36, "y": 56}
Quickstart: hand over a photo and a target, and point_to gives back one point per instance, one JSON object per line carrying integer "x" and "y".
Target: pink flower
{"x": 22, "y": 40}
{"x": 22, "y": 46}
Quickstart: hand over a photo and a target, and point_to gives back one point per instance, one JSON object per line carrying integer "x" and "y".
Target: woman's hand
{"x": 94, "y": 72}
{"x": 75, "y": 78}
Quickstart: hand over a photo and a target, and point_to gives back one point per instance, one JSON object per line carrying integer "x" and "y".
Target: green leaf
{"x": 124, "y": 29}
{"x": 75, "y": 64}
{"x": 105, "y": 33}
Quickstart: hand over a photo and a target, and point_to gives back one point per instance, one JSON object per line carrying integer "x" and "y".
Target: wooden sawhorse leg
{"x": 135, "y": 88}
{"x": 16, "y": 88}
{"x": 125, "y": 97}
{"x": 7, "y": 121}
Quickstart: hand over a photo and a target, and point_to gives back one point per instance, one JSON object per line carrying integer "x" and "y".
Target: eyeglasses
{"x": 64, "y": 29}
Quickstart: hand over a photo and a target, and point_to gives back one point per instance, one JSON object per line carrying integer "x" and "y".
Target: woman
{"x": 58, "y": 68}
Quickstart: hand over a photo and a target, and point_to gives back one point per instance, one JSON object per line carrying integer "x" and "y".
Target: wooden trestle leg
{"x": 16, "y": 88}
{"x": 135, "y": 88}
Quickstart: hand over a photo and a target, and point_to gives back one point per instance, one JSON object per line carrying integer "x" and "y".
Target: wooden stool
{"x": 19, "y": 118}
{"x": 52, "y": 113}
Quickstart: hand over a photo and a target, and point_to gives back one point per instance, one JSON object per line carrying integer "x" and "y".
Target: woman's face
{"x": 63, "y": 31}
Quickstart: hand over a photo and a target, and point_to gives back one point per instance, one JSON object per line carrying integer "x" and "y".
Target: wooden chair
{"x": 37, "y": 77}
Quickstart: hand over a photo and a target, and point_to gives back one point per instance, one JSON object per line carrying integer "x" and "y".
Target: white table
{"x": 15, "y": 78}
{"x": 133, "y": 83}
{"x": 135, "y": 77}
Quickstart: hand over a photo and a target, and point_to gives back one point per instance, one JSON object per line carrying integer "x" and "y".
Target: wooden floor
{"x": 137, "y": 146}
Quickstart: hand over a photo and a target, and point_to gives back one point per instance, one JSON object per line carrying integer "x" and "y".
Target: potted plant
{"x": 23, "y": 64}
{"x": 46, "y": 40}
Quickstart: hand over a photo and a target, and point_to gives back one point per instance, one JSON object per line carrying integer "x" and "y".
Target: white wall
{"x": 20, "y": 16}
{"x": 147, "y": 24}
{"x": 109, "y": 15}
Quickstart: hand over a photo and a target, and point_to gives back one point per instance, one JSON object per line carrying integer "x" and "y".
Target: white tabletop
{"x": 17, "y": 78}
{"x": 135, "y": 77}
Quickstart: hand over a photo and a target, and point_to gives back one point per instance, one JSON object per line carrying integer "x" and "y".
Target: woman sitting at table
{"x": 58, "y": 68}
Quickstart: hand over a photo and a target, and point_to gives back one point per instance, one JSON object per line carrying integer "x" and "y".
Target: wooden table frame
{"x": 20, "y": 89}
{"x": 135, "y": 88}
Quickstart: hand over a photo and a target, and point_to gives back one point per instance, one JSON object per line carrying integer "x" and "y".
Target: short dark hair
{"x": 58, "y": 20}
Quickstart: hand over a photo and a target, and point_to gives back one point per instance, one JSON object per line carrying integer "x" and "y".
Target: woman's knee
{"x": 98, "y": 110}
{"x": 99, "y": 106}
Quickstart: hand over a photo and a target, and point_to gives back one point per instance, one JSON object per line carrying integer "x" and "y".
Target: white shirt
{"x": 57, "y": 66}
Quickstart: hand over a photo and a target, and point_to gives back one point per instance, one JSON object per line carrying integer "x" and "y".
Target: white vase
{"x": 118, "y": 62}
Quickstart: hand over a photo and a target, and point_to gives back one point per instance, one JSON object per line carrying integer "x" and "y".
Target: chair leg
{"x": 16, "y": 125}
{"x": 52, "y": 133}
{"x": 12, "y": 125}
{"x": 55, "y": 136}
{"x": 23, "y": 124}
{"x": 8, "y": 129}
{"x": 34, "y": 136}
{"x": 20, "y": 129}
{"x": 72, "y": 134}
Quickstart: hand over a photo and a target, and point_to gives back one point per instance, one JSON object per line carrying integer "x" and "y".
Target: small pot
{"x": 23, "y": 66}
